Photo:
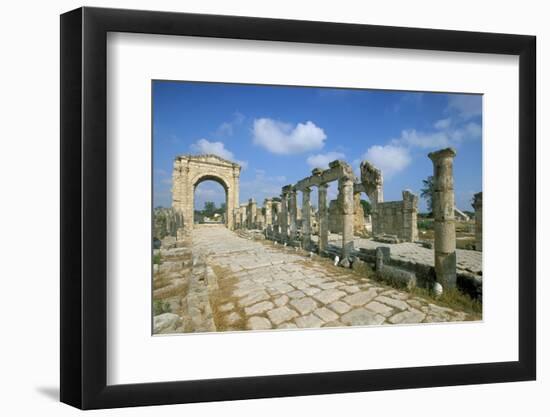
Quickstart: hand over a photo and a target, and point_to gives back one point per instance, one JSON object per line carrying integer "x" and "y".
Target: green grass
{"x": 157, "y": 259}
{"x": 159, "y": 307}
{"x": 453, "y": 299}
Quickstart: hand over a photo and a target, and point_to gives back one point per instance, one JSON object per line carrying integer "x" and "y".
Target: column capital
{"x": 287, "y": 189}
{"x": 442, "y": 153}
{"x": 478, "y": 200}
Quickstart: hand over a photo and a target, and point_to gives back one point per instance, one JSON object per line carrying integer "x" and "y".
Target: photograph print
{"x": 296, "y": 207}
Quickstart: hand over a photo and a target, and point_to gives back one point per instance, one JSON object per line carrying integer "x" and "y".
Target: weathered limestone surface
{"x": 263, "y": 287}
{"x": 293, "y": 209}
{"x": 268, "y": 205}
{"x": 397, "y": 218}
{"x": 283, "y": 218}
{"x": 478, "y": 207}
{"x": 190, "y": 170}
{"x": 372, "y": 181}
{"x": 467, "y": 261}
{"x": 323, "y": 217}
{"x": 166, "y": 222}
{"x": 335, "y": 211}
{"x": 306, "y": 218}
{"x": 346, "y": 190}
{"x": 393, "y": 217}
{"x": 251, "y": 214}
{"x": 443, "y": 204}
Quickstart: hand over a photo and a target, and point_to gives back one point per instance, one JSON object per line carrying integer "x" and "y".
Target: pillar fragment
{"x": 478, "y": 207}
{"x": 293, "y": 209}
{"x": 348, "y": 212}
{"x": 306, "y": 218}
{"x": 443, "y": 205}
{"x": 284, "y": 213}
{"x": 323, "y": 218}
{"x": 268, "y": 204}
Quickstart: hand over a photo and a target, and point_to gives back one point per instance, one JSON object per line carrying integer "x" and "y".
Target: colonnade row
{"x": 280, "y": 215}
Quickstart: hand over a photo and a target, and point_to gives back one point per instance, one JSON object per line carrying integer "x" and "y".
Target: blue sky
{"x": 278, "y": 134}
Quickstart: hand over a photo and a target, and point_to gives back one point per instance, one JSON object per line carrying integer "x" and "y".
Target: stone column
{"x": 346, "y": 190}
{"x": 284, "y": 213}
{"x": 236, "y": 218}
{"x": 276, "y": 213}
{"x": 478, "y": 207}
{"x": 243, "y": 214}
{"x": 268, "y": 203}
{"x": 251, "y": 213}
{"x": 358, "y": 215}
{"x": 410, "y": 209}
{"x": 229, "y": 204}
{"x": 306, "y": 218}
{"x": 293, "y": 208}
{"x": 443, "y": 205}
{"x": 323, "y": 218}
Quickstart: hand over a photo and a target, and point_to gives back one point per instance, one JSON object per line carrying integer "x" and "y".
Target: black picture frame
{"x": 84, "y": 207}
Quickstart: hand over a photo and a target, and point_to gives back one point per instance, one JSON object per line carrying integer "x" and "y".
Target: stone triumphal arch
{"x": 190, "y": 170}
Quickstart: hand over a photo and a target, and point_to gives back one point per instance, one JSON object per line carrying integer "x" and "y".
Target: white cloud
{"x": 215, "y": 148}
{"x": 389, "y": 158}
{"x": 445, "y": 135}
{"x": 422, "y": 140}
{"x": 466, "y": 105}
{"x": 414, "y": 99}
{"x": 322, "y": 160}
{"x": 227, "y": 128}
{"x": 443, "y": 123}
{"x": 284, "y": 139}
{"x": 204, "y": 146}
{"x": 262, "y": 186}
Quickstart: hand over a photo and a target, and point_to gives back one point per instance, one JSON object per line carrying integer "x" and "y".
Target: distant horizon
{"x": 278, "y": 134}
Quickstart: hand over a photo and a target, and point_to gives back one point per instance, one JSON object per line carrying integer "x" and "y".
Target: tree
{"x": 221, "y": 210}
{"x": 209, "y": 208}
{"x": 427, "y": 191}
{"x": 367, "y": 208}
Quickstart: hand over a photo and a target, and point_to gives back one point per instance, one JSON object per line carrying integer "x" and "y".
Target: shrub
{"x": 159, "y": 307}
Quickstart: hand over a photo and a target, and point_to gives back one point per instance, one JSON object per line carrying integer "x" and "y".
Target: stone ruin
{"x": 478, "y": 207}
{"x": 284, "y": 221}
{"x": 190, "y": 170}
{"x": 280, "y": 218}
{"x": 166, "y": 222}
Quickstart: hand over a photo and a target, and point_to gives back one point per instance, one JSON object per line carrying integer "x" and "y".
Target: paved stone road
{"x": 466, "y": 260}
{"x": 258, "y": 285}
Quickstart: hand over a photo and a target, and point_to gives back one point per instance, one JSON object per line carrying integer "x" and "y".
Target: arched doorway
{"x": 191, "y": 170}
{"x": 210, "y": 201}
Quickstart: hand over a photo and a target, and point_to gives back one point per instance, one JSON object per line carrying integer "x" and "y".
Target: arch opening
{"x": 210, "y": 200}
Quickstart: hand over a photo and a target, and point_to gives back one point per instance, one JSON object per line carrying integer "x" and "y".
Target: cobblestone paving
{"x": 264, "y": 286}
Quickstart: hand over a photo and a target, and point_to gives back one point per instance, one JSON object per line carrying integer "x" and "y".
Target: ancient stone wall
{"x": 166, "y": 222}
{"x": 397, "y": 218}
